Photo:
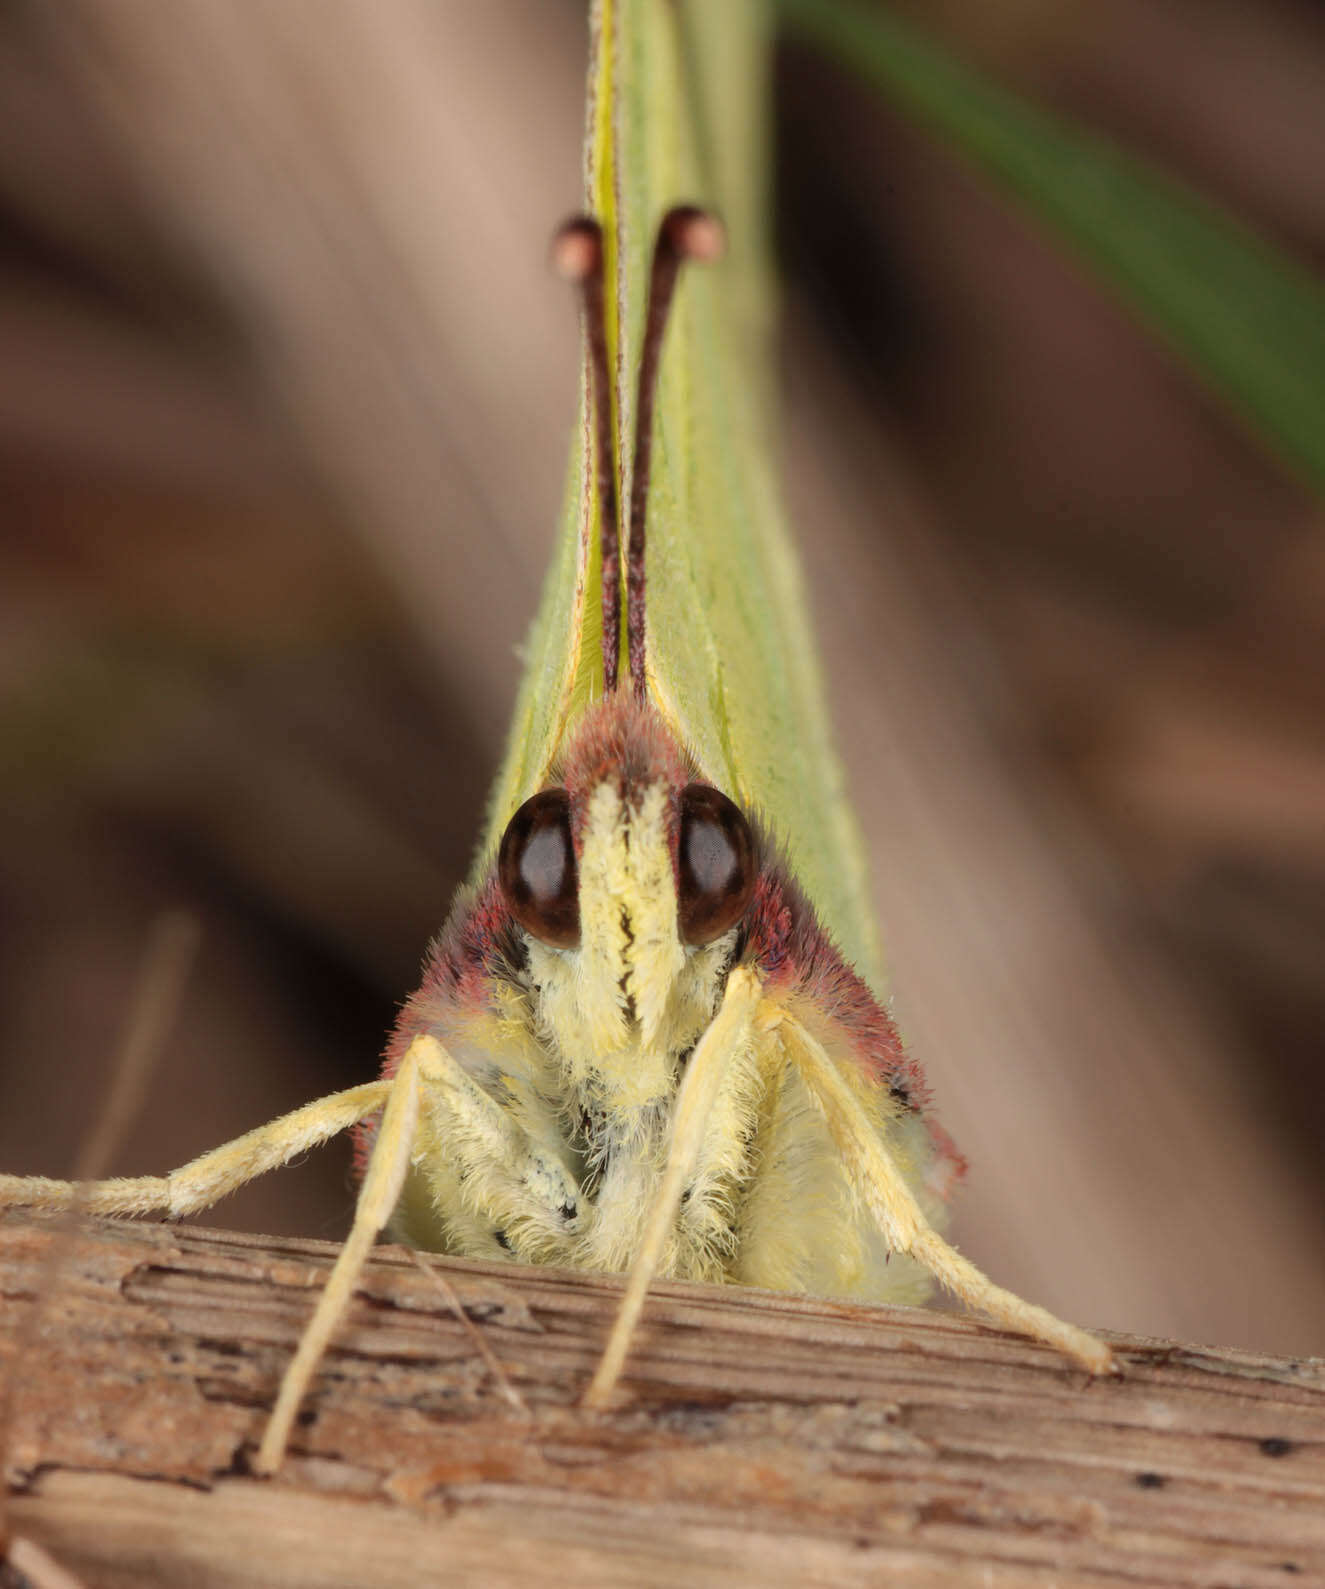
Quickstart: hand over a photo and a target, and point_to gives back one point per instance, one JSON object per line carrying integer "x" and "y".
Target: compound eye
{"x": 536, "y": 869}
{"x": 716, "y": 857}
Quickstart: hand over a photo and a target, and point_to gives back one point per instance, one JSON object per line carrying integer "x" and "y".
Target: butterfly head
{"x": 628, "y": 875}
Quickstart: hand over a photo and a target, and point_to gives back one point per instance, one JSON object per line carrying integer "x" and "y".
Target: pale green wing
{"x": 562, "y": 655}
{"x": 677, "y": 113}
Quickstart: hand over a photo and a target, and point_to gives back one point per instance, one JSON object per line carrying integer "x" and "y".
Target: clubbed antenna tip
{"x": 694, "y": 233}
{"x": 577, "y": 249}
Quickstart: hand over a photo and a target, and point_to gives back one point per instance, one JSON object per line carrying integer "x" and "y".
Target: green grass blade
{"x": 1249, "y": 320}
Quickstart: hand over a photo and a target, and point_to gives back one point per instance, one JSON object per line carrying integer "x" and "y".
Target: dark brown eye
{"x": 536, "y": 869}
{"x": 716, "y": 858}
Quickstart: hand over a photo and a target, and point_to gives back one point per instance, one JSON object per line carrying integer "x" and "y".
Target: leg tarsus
{"x": 207, "y": 1179}
{"x": 147, "y": 1194}
{"x": 214, "y": 1175}
{"x": 884, "y": 1191}
{"x": 694, "y": 1102}
{"x": 377, "y": 1198}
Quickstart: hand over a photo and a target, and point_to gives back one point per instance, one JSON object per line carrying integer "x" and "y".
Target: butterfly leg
{"x": 884, "y": 1191}
{"x": 430, "y": 1097}
{"x": 492, "y": 1178}
{"x": 695, "y": 1098}
{"x": 377, "y": 1198}
{"x": 205, "y": 1180}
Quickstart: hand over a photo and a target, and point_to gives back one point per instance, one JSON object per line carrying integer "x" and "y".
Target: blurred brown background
{"x": 286, "y": 398}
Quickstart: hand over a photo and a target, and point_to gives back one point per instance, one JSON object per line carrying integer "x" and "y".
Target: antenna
{"x": 686, "y": 232}
{"x": 577, "y": 252}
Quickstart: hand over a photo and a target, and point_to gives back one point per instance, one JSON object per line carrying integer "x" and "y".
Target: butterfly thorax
{"x": 569, "y": 992}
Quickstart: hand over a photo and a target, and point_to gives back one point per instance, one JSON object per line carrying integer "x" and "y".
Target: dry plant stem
{"x": 768, "y": 1439}
{"x": 172, "y": 946}
{"x": 37, "y": 1569}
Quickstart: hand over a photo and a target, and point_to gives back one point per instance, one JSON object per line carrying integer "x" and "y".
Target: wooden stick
{"x": 771, "y": 1439}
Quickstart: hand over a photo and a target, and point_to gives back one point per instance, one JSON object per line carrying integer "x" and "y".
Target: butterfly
{"x": 635, "y": 1046}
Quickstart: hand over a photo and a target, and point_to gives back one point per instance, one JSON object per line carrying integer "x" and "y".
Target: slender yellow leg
{"x": 205, "y": 1180}
{"x": 694, "y": 1103}
{"x": 377, "y": 1198}
{"x": 884, "y": 1191}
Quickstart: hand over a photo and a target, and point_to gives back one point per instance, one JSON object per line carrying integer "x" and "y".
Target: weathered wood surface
{"x": 768, "y": 1439}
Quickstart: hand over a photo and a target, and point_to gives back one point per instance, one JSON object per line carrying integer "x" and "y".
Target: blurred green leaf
{"x": 1248, "y": 319}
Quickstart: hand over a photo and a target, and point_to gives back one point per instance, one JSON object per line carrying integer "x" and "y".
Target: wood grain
{"x": 765, "y": 1438}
